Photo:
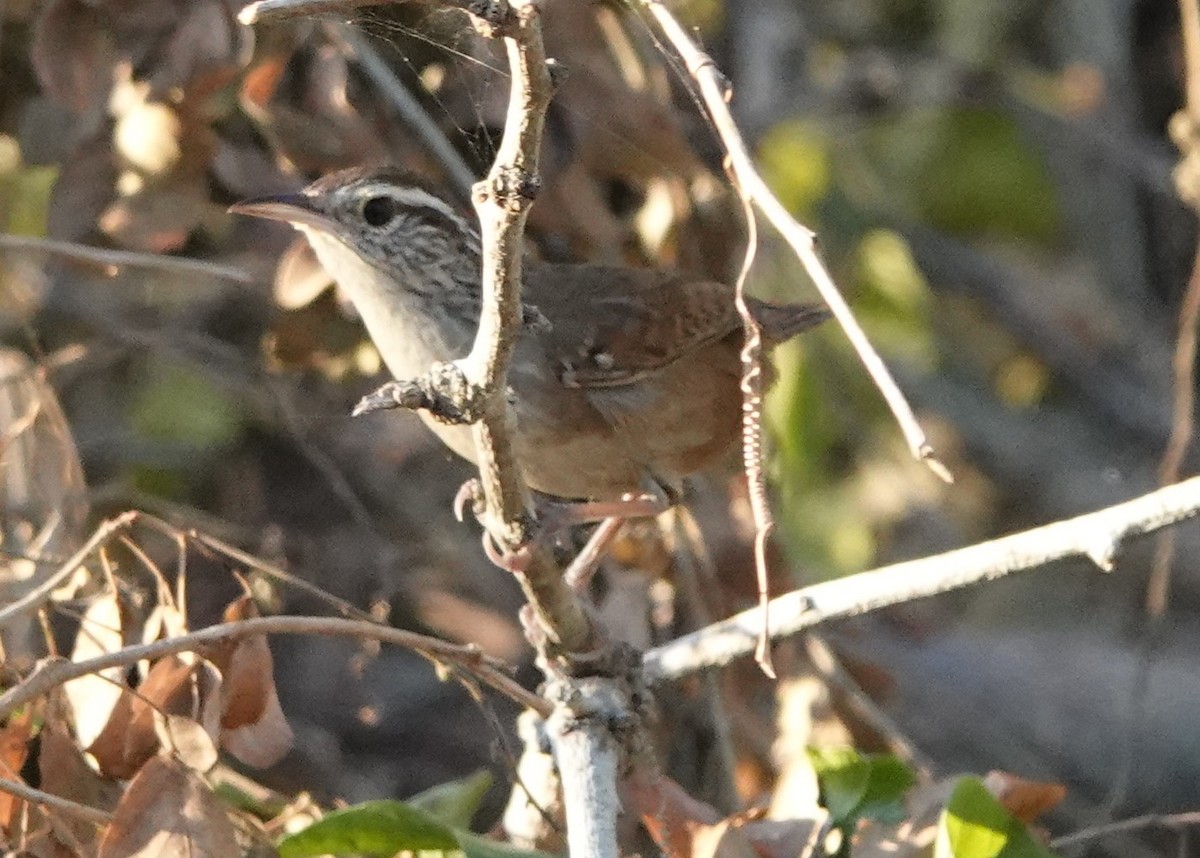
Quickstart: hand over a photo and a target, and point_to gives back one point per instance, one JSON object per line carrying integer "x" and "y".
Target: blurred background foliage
{"x": 991, "y": 184}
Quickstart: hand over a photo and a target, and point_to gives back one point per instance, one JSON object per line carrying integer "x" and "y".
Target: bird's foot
{"x": 558, "y": 515}
{"x": 555, "y": 516}
{"x": 469, "y": 492}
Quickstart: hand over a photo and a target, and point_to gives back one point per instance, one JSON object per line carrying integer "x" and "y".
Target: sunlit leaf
{"x": 382, "y": 827}
{"x": 861, "y": 786}
{"x": 387, "y": 827}
{"x": 975, "y": 825}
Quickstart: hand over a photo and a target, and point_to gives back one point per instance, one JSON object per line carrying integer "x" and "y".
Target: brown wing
{"x": 605, "y": 335}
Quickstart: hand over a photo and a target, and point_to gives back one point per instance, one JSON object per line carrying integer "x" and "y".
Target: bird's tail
{"x": 781, "y": 322}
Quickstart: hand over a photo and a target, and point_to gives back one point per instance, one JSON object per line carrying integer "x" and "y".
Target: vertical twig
{"x": 351, "y": 42}
{"x": 1183, "y": 365}
{"x": 714, "y": 91}
{"x": 581, "y": 731}
{"x": 1183, "y": 129}
{"x": 502, "y": 203}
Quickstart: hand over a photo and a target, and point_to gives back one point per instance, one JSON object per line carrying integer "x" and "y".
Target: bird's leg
{"x": 554, "y": 516}
{"x": 579, "y": 574}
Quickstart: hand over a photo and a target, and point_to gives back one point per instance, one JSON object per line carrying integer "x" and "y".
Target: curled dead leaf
{"x": 253, "y": 726}
{"x": 93, "y": 699}
{"x": 172, "y": 687}
{"x": 169, "y": 812}
{"x": 299, "y": 278}
{"x": 71, "y": 51}
{"x": 1025, "y": 799}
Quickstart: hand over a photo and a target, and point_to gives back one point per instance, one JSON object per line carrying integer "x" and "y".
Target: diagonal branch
{"x": 1097, "y": 535}
{"x": 714, "y": 90}
{"x": 51, "y": 673}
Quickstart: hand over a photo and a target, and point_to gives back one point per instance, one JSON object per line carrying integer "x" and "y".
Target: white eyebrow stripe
{"x": 414, "y": 197}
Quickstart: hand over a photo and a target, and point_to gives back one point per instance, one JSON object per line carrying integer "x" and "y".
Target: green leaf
{"x": 454, "y": 803}
{"x": 975, "y": 825}
{"x": 386, "y": 827}
{"x": 861, "y": 786}
{"x": 382, "y": 827}
{"x": 480, "y": 847}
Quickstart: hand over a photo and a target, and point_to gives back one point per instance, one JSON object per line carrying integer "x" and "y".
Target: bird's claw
{"x": 469, "y": 492}
{"x": 515, "y": 561}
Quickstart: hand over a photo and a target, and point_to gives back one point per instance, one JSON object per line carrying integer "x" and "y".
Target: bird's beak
{"x": 296, "y": 209}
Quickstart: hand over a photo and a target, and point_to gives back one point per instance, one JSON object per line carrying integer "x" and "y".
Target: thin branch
{"x": 271, "y": 11}
{"x": 54, "y": 802}
{"x": 1137, "y": 823}
{"x": 1183, "y": 364}
{"x": 827, "y": 664}
{"x": 1097, "y": 535}
{"x": 52, "y": 673}
{"x": 34, "y": 598}
{"x": 122, "y": 258}
{"x": 502, "y": 203}
{"x": 714, "y": 90}
{"x": 410, "y": 110}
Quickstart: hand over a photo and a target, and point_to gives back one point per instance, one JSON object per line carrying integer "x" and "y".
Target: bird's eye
{"x": 379, "y": 211}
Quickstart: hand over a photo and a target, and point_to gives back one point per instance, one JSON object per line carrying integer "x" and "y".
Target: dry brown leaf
{"x": 1024, "y": 799}
{"x": 785, "y": 838}
{"x": 253, "y": 726}
{"x": 723, "y": 840}
{"x": 244, "y": 664}
{"x": 192, "y": 736}
{"x": 14, "y": 748}
{"x": 265, "y": 742}
{"x": 169, "y": 812}
{"x": 71, "y": 52}
{"x": 299, "y": 277}
{"x": 188, "y": 740}
{"x": 64, "y": 772}
{"x": 670, "y": 815}
{"x": 259, "y": 84}
{"x": 159, "y": 218}
{"x": 93, "y": 698}
{"x": 202, "y": 52}
{"x": 172, "y": 687}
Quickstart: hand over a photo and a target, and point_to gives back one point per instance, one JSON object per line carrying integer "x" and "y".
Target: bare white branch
{"x": 581, "y": 731}
{"x": 1097, "y": 535}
